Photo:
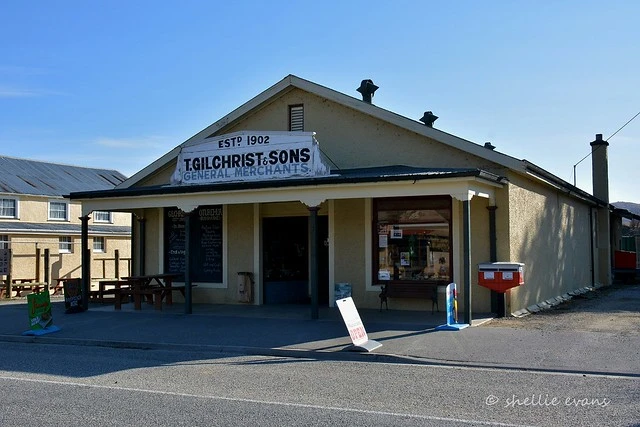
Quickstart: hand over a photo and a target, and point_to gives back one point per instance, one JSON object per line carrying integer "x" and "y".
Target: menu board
{"x": 205, "y": 243}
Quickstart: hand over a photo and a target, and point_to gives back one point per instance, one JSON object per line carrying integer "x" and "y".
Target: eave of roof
{"x": 342, "y": 176}
{"x": 553, "y": 180}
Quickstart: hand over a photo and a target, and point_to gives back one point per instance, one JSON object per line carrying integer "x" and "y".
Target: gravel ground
{"x": 614, "y": 309}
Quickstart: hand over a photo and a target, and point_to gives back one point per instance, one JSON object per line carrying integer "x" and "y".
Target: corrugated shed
{"x": 22, "y": 176}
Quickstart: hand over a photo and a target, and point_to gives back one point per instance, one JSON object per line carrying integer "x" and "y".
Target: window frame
{"x": 5, "y": 241}
{"x": 15, "y": 207}
{"x": 105, "y": 221}
{"x": 411, "y": 203}
{"x": 57, "y": 202}
{"x": 66, "y": 246}
{"x": 103, "y": 246}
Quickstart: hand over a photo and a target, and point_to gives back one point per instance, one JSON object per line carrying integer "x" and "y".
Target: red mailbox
{"x": 501, "y": 276}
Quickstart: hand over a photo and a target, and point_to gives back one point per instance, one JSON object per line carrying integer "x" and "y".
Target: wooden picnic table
{"x": 21, "y": 285}
{"x": 108, "y": 287}
{"x": 153, "y": 287}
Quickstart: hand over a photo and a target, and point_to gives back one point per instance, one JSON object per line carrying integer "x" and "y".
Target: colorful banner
{"x": 40, "y": 310}
{"x": 249, "y": 156}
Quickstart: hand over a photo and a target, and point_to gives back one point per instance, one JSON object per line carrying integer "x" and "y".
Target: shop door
{"x": 286, "y": 260}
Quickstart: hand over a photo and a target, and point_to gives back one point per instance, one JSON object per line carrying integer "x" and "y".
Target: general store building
{"x": 306, "y": 188}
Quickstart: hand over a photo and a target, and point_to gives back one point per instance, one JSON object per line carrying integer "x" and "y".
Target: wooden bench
{"x": 409, "y": 290}
{"x": 21, "y": 285}
{"x": 154, "y": 295}
{"x": 107, "y": 288}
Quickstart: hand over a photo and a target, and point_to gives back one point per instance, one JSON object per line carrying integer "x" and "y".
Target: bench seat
{"x": 410, "y": 290}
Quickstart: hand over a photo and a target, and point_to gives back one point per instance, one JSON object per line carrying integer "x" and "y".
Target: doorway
{"x": 286, "y": 260}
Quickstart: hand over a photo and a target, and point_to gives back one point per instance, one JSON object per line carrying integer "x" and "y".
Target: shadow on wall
{"x": 556, "y": 250}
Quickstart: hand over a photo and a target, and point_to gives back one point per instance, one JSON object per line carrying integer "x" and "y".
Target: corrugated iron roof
{"x": 52, "y": 228}
{"x": 22, "y": 176}
{"x": 337, "y": 176}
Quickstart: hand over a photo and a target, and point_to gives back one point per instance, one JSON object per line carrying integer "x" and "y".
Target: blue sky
{"x": 117, "y": 84}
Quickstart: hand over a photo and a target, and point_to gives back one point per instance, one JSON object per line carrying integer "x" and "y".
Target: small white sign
{"x": 352, "y": 320}
{"x": 488, "y": 275}
{"x": 507, "y": 275}
{"x": 396, "y": 233}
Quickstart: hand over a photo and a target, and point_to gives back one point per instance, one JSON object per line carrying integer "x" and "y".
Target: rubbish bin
{"x": 342, "y": 291}
{"x": 73, "y": 296}
{"x": 245, "y": 286}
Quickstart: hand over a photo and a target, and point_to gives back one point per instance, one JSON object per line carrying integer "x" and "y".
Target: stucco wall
{"x": 240, "y": 242}
{"x": 153, "y": 240}
{"x": 25, "y": 265}
{"x": 349, "y": 138}
{"x": 550, "y": 233}
{"x": 349, "y": 249}
{"x": 480, "y": 252}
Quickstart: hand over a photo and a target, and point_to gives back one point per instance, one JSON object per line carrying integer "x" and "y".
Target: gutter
{"x": 562, "y": 185}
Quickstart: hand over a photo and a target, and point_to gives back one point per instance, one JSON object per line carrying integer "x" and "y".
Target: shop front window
{"x": 412, "y": 240}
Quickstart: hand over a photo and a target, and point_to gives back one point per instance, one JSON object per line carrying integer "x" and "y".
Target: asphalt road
{"x": 61, "y": 385}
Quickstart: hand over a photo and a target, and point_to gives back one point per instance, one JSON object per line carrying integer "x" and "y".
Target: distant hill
{"x": 631, "y": 207}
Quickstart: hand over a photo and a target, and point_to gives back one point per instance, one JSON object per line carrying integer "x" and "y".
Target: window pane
{"x": 4, "y": 241}
{"x": 98, "y": 244}
{"x": 8, "y": 208}
{"x": 102, "y": 216}
{"x": 413, "y": 240}
{"x": 65, "y": 244}
{"x": 57, "y": 210}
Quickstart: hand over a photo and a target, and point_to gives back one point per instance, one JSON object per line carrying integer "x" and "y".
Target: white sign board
{"x": 249, "y": 156}
{"x": 352, "y": 320}
{"x": 5, "y": 262}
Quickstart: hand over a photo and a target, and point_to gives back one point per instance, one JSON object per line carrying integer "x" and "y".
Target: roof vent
{"x": 367, "y": 88}
{"x": 429, "y": 118}
{"x": 489, "y": 146}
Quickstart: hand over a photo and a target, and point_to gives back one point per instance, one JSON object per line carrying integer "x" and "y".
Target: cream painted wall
{"x": 349, "y": 249}
{"x": 480, "y": 252}
{"x": 551, "y": 231}
{"x": 240, "y": 243}
{"x": 35, "y": 209}
{"x": 154, "y": 259}
{"x": 160, "y": 177}
{"x": 348, "y": 137}
{"x": 24, "y": 250}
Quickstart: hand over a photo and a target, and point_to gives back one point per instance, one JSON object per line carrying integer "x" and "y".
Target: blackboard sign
{"x": 206, "y": 243}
